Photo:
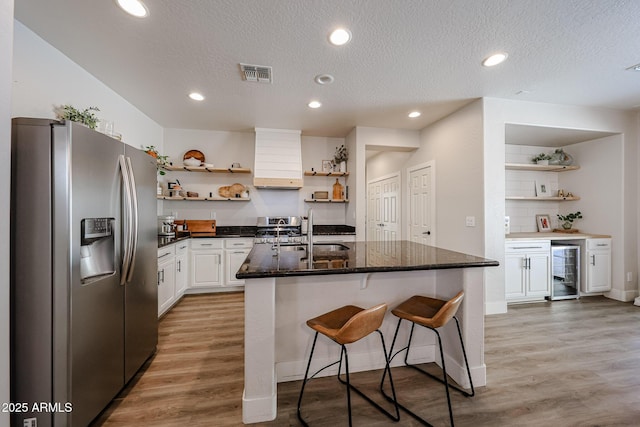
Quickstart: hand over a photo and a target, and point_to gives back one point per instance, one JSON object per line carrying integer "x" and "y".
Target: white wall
{"x": 455, "y": 144}
{"x": 6, "y": 45}
{"x": 224, "y": 148}
{"x": 522, "y": 214}
{"x": 355, "y": 215}
{"x": 394, "y": 146}
{"x": 600, "y": 184}
{"x": 45, "y": 78}
{"x": 499, "y": 112}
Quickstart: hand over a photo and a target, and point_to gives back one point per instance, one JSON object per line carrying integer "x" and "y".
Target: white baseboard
{"x": 497, "y": 307}
{"x": 260, "y": 409}
{"x": 624, "y": 296}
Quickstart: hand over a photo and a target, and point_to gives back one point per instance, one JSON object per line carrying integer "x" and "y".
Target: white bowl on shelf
{"x": 191, "y": 161}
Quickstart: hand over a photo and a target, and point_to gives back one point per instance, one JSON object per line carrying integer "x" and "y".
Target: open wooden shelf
{"x": 317, "y": 173}
{"x": 326, "y": 201}
{"x": 543, "y": 199}
{"x": 539, "y": 168}
{"x": 212, "y": 199}
{"x": 172, "y": 168}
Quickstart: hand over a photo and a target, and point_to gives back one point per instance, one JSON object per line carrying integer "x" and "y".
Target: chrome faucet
{"x": 310, "y": 233}
{"x": 276, "y": 244}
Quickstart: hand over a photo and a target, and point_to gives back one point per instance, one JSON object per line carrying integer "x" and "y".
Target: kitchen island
{"x": 286, "y": 285}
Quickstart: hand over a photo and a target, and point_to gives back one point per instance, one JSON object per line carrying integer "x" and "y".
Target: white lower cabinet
{"x": 166, "y": 278}
{"x": 182, "y": 267}
{"x": 527, "y": 270}
{"x": 206, "y": 263}
{"x": 598, "y": 266}
{"x": 235, "y": 252}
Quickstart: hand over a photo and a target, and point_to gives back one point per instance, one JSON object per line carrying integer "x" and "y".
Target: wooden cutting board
{"x": 201, "y": 225}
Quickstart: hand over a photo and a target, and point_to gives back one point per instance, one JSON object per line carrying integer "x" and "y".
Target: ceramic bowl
{"x": 191, "y": 161}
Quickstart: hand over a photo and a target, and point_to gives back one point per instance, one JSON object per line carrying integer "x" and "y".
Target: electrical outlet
{"x": 629, "y": 276}
{"x": 30, "y": 422}
{"x": 471, "y": 221}
{"x": 213, "y": 215}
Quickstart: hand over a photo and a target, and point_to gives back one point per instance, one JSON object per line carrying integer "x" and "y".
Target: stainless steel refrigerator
{"x": 83, "y": 270}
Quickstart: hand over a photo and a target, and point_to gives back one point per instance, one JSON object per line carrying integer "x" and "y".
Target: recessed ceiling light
{"x": 340, "y": 36}
{"x": 495, "y": 59}
{"x": 315, "y": 104}
{"x": 134, "y": 7}
{"x": 196, "y": 96}
{"x": 324, "y": 79}
{"x": 415, "y": 114}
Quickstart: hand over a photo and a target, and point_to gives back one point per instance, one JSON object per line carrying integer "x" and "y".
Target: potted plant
{"x": 160, "y": 160}
{"x": 567, "y": 220}
{"x": 86, "y": 116}
{"x": 340, "y": 157}
{"x": 542, "y": 159}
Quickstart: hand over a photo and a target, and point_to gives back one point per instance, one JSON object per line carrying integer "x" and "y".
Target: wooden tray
{"x": 569, "y": 231}
{"x": 201, "y": 226}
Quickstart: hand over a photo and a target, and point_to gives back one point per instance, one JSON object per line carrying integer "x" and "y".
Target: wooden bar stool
{"x": 347, "y": 325}
{"x": 431, "y": 313}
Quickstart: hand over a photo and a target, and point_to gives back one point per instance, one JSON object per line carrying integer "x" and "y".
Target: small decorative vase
{"x": 343, "y": 166}
{"x": 567, "y": 225}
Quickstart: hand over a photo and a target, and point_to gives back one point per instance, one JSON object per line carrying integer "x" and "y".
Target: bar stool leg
{"x": 443, "y": 380}
{"x": 304, "y": 382}
{"x": 346, "y": 366}
{"x": 444, "y": 375}
{"x": 344, "y": 354}
{"x": 466, "y": 362}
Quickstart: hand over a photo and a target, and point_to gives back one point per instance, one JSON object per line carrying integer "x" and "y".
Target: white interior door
{"x": 383, "y": 213}
{"x": 421, "y": 205}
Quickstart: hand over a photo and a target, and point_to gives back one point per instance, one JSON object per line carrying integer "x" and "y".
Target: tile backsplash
{"x": 522, "y": 213}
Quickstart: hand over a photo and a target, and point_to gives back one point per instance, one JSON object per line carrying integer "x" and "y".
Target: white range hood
{"x": 278, "y": 161}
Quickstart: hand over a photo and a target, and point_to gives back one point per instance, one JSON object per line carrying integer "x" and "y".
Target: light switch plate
{"x": 471, "y": 221}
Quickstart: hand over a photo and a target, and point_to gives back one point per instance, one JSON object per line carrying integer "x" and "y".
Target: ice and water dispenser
{"x": 97, "y": 249}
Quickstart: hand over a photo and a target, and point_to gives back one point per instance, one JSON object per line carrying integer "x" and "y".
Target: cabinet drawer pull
{"x": 206, "y": 244}
{"x": 529, "y": 247}
{"x": 602, "y": 244}
{"x": 164, "y": 255}
{"x": 237, "y": 252}
{"x": 182, "y": 247}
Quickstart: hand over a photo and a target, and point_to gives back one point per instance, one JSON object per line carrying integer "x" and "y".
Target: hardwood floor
{"x": 565, "y": 363}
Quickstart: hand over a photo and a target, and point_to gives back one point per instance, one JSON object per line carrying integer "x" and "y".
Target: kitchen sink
{"x": 317, "y": 247}
{"x": 292, "y": 247}
{"x": 330, "y": 247}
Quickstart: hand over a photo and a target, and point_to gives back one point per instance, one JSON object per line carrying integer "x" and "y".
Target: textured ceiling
{"x": 405, "y": 55}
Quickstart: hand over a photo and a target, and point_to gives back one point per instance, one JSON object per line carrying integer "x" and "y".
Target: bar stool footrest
{"x": 441, "y": 381}
{"x": 371, "y": 401}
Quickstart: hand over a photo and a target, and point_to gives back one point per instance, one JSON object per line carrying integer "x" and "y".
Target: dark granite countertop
{"x": 230, "y": 231}
{"x": 221, "y": 233}
{"x": 169, "y": 240}
{"x": 358, "y": 257}
{"x": 333, "y": 229}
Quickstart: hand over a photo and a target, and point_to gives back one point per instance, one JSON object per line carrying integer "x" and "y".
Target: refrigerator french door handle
{"x": 126, "y": 221}
{"x": 134, "y": 218}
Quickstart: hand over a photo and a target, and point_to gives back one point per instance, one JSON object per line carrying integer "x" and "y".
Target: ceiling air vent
{"x": 256, "y": 73}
